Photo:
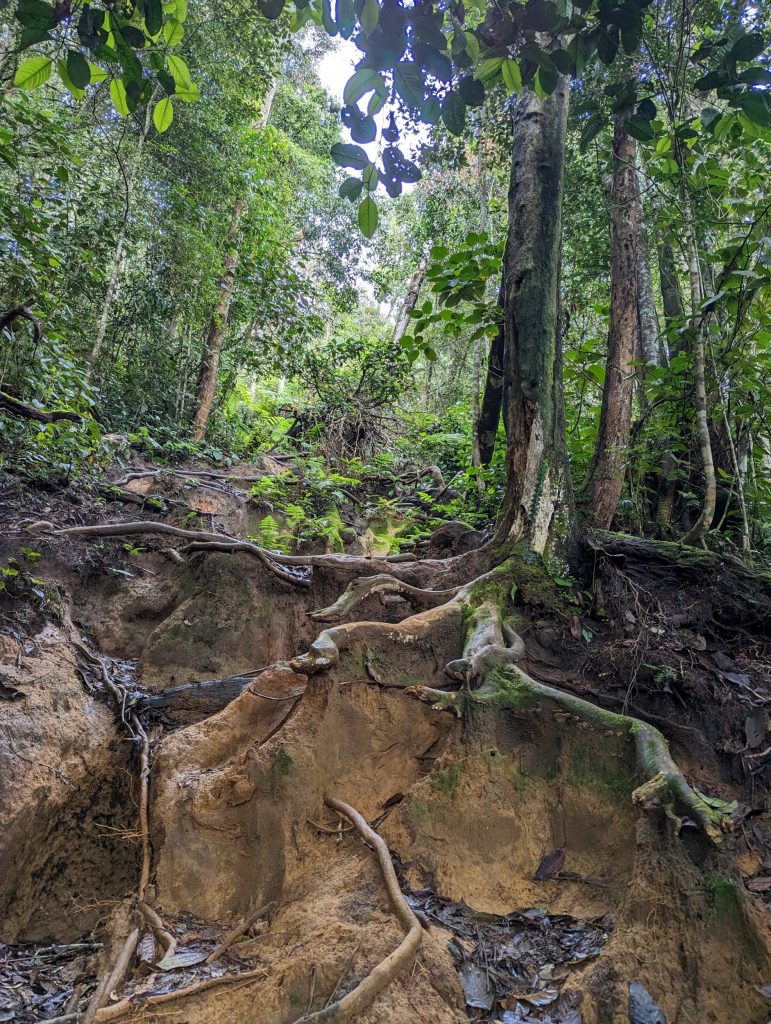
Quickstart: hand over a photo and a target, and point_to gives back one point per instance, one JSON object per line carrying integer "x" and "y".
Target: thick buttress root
{"x": 488, "y": 666}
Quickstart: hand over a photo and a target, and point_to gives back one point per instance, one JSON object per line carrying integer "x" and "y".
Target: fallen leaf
{"x": 146, "y": 948}
{"x": 542, "y": 998}
{"x": 183, "y": 958}
{"x": 739, "y": 678}
{"x": 761, "y": 884}
{"x": 477, "y": 987}
{"x": 756, "y": 727}
{"x": 643, "y": 1009}
{"x": 550, "y": 865}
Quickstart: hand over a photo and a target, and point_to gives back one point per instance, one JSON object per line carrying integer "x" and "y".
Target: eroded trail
{"x": 562, "y": 866}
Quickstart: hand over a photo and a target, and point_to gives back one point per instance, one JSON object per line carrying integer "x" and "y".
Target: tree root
{"x": 128, "y": 1005}
{"x": 359, "y": 590}
{"x": 113, "y": 979}
{"x": 665, "y": 787}
{"x": 239, "y": 930}
{"x": 360, "y": 998}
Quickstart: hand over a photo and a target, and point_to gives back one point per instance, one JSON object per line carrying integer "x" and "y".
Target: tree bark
{"x": 698, "y": 324}
{"x": 606, "y": 476}
{"x": 410, "y": 302}
{"x": 476, "y": 369}
{"x": 651, "y": 347}
{"x": 492, "y": 399}
{"x": 674, "y": 314}
{"x": 538, "y": 479}
{"x": 212, "y": 353}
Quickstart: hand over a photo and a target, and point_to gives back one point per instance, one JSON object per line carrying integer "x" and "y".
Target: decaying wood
{"x": 363, "y": 995}
{"x": 28, "y": 412}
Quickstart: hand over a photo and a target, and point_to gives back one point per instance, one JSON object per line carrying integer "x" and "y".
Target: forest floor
{"x": 143, "y": 816}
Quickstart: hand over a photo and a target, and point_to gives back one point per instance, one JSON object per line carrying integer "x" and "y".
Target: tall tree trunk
{"x": 651, "y": 346}
{"x": 218, "y": 326}
{"x": 606, "y": 477}
{"x": 492, "y": 399}
{"x": 410, "y": 302}
{"x": 113, "y": 284}
{"x": 477, "y": 355}
{"x": 698, "y": 325}
{"x": 538, "y": 479}
{"x": 674, "y": 313}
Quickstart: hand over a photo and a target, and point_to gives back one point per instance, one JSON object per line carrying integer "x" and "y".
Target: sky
{"x": 336, "y": 68}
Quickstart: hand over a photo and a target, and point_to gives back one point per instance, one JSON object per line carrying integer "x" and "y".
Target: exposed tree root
{"x": 113, "y": 979}
{"x": 365, "y": 993}
{"x": 359, "y": 590}
{"x": 130, "y": 1005}
{"x": 239, "y": 930}
{"x": 665, "y": 787}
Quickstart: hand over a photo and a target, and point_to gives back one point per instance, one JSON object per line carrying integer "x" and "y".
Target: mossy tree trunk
{"x": 538, "y": 481}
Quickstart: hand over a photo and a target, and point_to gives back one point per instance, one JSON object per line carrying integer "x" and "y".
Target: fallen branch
{"x": 29, "y": 412}
{"x": 361, "y": 998}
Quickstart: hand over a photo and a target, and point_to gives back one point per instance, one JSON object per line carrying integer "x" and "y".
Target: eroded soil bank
{"x": 549, "y": 887}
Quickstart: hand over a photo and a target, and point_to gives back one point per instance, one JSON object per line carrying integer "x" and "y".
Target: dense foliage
{"x": 175, "y": 182}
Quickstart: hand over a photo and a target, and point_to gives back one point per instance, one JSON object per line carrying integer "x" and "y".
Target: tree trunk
{"x": 410, "y": 302}
{"x": 113, "y": 286}
{"x": 674, "y": 313}
{"x": 651, "y": 347}
{"x": 698, "y": 325}
{"x": 476, "y": 370}
{"x": 210, "y": 363}
{"x": 606, "y": 476}
{"x": 538, "y": 479}
{"x": 492, "y": 400}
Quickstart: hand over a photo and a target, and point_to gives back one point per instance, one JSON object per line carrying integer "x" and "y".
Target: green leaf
{"x": 639, "y": 129}
{"x": 271, "y": 9}
{"x": 454, "y": 113}
{"x": 179, "y": 70}
{"x": 367, "y": 217}
{"x": 33, "y": 72}
{"x": 153, "y": 17}
{"x": 36, "y": 14}
{"x": 173, "y": 32}
{"x": 118, "y": 97}
{"x": 351, "y": 189}
{"x": 97, "y": 74}
{"x": 748, "y": 47}
{"x": 430, "y": 111}
{"x": 369, "y": 17}
{"x": 64, "y": 74}
{"x": 408, "y": 81}
{"x": 78, "y": 69}
{"x": 347, "y": 155}
{"x": 370, "y": 177}
{"x": 163, "y": 114}
{"x": 512, "y": 76}
{"x": 360, "y": 83}
{"x": 488, "y": 69}
{"x": 592, "y": 129}
{"x": 472, "y": 46}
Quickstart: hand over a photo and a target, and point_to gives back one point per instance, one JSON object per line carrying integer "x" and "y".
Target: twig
{"x": 238, "y": 931}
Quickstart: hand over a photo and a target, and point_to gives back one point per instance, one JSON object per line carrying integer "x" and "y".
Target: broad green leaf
{"x": 367, "y": 217}
{"x": 97, "y": 74}
{"x": 173, "y": 32}
{"x": 78, "y": 69}
{"x": 488, "y": 70}
{"x": 69, "y": 85}
{"x": 33, "y": 72}
{"x": 748, "y": 47}
{"x": 369, "y": 17}
{"x": 511, "y": 75}
{"x": 180, "y": 10}
{"x": 408, "y": 80}
{"x": 163, "y": 114}
{"x": 153, "y": 17}
{"x": 454, "y": 113}
{"x": 472, "y": 46}
{"x": 179, "y": 70}
{"x": 351, "y": 189}
{"x": 347, "y": 155}
{"x": 118, "y": 97}
{"x": 370, "y": 177}
{"x": 360, "y": 83}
